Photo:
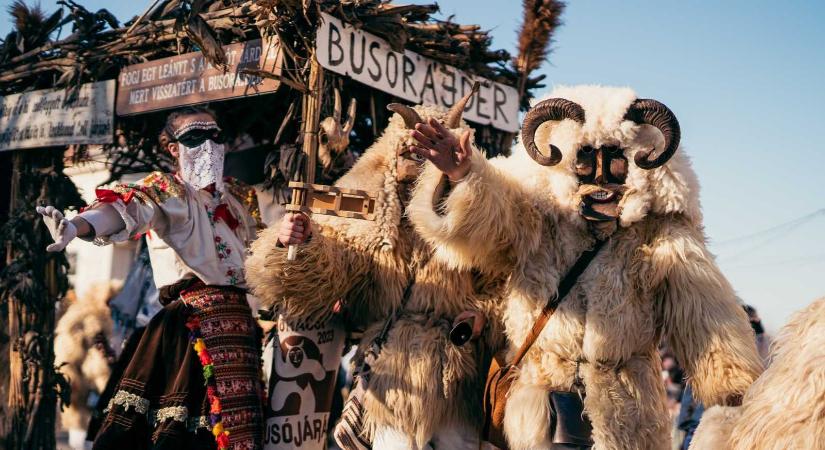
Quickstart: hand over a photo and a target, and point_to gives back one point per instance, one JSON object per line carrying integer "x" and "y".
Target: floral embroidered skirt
{"x": 225, "y": 337}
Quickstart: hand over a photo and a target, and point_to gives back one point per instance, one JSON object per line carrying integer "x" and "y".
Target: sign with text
{"x": 302, "y": 379}
{"x": 189, "y": 78}
{"x": 52, "y": 117}
{"x": 370, "y": 60}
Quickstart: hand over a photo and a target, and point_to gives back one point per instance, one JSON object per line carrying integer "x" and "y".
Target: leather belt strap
{"x": 565, "y": 286}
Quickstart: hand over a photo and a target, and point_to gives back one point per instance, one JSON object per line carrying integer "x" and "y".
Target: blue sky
{"x": 747, "y": 81}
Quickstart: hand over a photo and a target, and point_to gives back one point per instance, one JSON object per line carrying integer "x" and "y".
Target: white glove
{"x": 62, "y": 230}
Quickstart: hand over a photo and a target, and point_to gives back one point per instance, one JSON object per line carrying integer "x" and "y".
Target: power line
{"x": 786, "y": 227}
{"x": 810, "y": 259}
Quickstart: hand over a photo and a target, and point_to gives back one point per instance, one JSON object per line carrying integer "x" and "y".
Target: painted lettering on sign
{"x": 51, "y": 117}
{"x": 189, "y": 79}
{"x": 305, "y": 361}
{"x": 370, "y": 60}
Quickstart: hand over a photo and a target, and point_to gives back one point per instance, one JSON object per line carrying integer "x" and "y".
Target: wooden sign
{"x": 370, "y": 60}
{"x": 332, "y": 201}
{"x": 50, "y": 117}
{"x": 190, "y": 79}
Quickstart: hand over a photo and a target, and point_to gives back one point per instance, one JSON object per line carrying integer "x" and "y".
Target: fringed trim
{"x": 215, "y": 408}
{"x": 179, "y": 414}
{"x": 176, "y": 413}
{"x": 126, "y": 400}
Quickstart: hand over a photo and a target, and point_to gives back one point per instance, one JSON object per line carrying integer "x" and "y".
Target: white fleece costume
{"x": 653, "y": 278}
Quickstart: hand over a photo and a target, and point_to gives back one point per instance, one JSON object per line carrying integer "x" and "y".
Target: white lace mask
{"x": 202, "y": 165}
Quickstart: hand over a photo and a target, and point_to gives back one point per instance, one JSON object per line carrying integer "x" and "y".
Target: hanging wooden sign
{"x": 50, "y": 117}
{"x": 370, "y": 60}
{"x": 190, "y": 79}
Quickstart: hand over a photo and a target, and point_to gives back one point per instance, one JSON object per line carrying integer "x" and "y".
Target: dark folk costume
{"x": 194, "y": 381}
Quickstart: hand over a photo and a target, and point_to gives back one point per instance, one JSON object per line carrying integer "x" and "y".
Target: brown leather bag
{"x": 501, "y": 375}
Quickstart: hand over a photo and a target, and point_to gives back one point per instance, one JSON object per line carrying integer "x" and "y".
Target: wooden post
{"x": 14, "y": 395}
{"x": 311, "y": 115}
{"x": 32, "y": 401}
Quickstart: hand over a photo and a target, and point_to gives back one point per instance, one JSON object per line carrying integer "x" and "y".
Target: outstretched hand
{"x": 62, "y": 230}
{"x": 441, "y": 147}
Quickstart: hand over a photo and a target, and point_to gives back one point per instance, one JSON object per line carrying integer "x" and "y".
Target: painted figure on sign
{"x": 295, "y": 370}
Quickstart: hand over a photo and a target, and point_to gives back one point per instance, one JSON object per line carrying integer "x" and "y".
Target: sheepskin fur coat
{"x": 653, "y": 278}
{"x": 84, "y": 365}
{"x": 785, "y": 408}
{"x": 420, "y": 381}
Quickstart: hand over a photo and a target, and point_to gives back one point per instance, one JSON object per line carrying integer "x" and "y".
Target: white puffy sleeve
{"x": 127, "y": 211}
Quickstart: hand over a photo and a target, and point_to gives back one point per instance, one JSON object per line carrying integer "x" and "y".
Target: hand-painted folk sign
{"x": 190, "y": 79}
{"x": 370, "y": 60}
{"x": 58, "y": 117}
{"x": 305, "y": 362}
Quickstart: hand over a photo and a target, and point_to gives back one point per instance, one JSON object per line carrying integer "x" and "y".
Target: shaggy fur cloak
{"x": 785, "y": 407}
{"x": 421, "y": 381}
{"x": 653, "y": 278}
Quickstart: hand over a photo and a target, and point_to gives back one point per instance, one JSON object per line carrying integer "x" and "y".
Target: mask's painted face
{"x": 408, "y": 165}
{"x": 601, "y": 173}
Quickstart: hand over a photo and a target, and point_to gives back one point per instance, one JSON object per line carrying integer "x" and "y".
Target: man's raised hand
{"x": 439, "y": 145}
{"x": 295, "y": 229}
{"x": 62, "y": 230}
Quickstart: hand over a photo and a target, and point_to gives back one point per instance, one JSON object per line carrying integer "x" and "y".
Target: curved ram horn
{"x": 547, "y": 110}
{"x": 350, "y": 116}
{"x": 453, "y": 117}
{"x": 411, "y": 117}
{"x": 652, "y": 112}
{"x": 336, "y": 110}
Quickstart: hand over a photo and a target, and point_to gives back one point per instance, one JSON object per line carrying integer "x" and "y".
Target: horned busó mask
{"x": 592, "y": 134}
{"x": 607, "y": 156}
{"x": 409, "y": 164}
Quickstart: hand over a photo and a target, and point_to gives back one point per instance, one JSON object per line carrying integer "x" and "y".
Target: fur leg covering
{"x": 715, "y": 428}
{"x": 527, "y": 416}
{"x": 626, "y": 406}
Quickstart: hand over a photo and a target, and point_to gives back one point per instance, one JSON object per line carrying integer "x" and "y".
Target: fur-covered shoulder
{"x": 541, "y": 186}
{"x": 667, "y": 244}
{"x": 784, "y": 407}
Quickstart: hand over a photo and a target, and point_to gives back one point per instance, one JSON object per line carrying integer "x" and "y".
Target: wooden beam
{"x": 311, "y": 118}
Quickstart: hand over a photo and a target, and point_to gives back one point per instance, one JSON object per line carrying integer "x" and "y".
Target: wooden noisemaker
{"x": 310, "y": 198}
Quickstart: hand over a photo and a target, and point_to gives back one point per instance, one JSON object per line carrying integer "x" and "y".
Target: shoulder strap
{"x": 565, "y": 286}
{"x": 379, "y": 340}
